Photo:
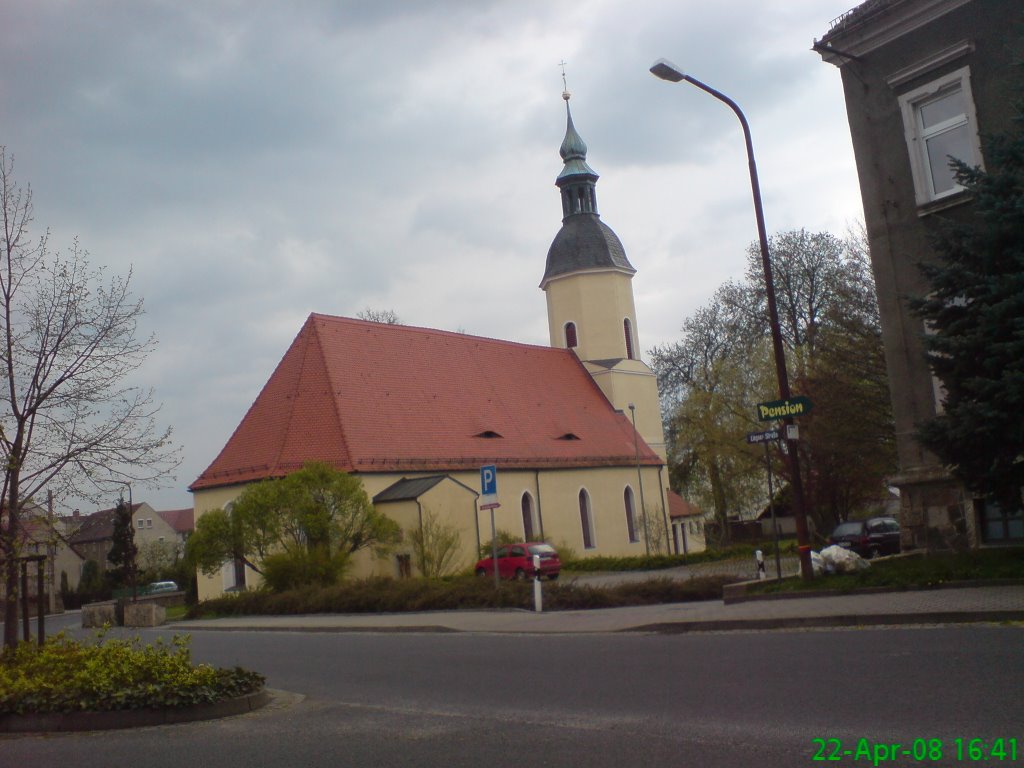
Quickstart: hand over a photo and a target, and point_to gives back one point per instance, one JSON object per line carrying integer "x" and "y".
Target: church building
{"x": 573, "y": 428}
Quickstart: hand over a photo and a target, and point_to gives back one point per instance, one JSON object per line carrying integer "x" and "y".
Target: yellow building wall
{"x": 597, "y": 302}
{"x": 450, "y": 504}
{"x": 631, "y": 381}
{"x": 556, "y": 511}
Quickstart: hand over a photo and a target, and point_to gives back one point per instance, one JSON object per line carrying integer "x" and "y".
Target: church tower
{"x": 588, "y": 282}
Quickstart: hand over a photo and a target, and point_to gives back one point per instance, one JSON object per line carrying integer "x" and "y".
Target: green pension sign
{"x": 780, "y": 409}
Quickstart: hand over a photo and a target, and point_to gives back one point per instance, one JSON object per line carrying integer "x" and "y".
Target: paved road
{"x": 484, "y": 699}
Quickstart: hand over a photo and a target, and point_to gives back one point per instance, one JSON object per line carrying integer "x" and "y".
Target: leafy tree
{"x": 705, "y": 381}
{"x": 69, "y": 422}
{"x": 976, "y": 314}
{"x": 123, "y": 552}
{"x": 92, "y": 584}
{"x": 829, "y": 320}
{"x": 156, "y": 558}
{"x": 298, "y": 568}
{"x": 315, "y": 509}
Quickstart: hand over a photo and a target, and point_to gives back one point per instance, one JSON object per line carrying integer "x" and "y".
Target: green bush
{"x": 501, "y": 538}
{"x": 381, "y": 595}
{"x": 298, "y": 568}
{"x": 64, "y": 675}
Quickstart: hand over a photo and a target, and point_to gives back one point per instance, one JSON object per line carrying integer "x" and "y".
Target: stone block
{"x": 98, "y": 614}
{"x": 146, "y": 614}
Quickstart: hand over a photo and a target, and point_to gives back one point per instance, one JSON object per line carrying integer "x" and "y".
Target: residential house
{"x": 687, "y": 525}
{"x": 93, "y": 538}
{"x": 40, "y": 533}
{"x": 924, "y": 80}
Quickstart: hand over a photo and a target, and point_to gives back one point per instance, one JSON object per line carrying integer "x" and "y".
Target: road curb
{"x": 736, "y": 593}
{"x": 426, "y": 628}
{"x": 825, "y": 622}
{"x": 132, "y": 718}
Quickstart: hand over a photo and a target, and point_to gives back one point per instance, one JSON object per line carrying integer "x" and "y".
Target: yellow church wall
{"x": 605, "y": 489}
{"x": 631, "y": 381}
{"x": 554, "y": 496}
{"x": 449, "y": 503}
{"x": 597, "y": 302}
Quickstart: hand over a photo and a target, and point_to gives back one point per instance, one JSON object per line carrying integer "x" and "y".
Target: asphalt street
{"x": 599, "y": 699}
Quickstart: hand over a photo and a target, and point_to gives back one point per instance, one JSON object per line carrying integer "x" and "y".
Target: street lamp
{"x": 640, "y": 480}
{"x": 666, "y": 70}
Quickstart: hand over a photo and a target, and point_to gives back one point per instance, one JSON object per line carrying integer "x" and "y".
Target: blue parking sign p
{"x": 489, "y": 480}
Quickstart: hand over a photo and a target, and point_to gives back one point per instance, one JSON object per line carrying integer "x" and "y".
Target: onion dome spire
{"x": 577, "y": 179}
{"x": 584, "y": 243}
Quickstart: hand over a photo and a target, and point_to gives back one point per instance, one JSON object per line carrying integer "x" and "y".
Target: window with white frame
{"x": 939, "y": 123}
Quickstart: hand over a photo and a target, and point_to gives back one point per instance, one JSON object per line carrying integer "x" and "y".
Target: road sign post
{"x": 489, "y": 500}
{"x": 766, "y": 437}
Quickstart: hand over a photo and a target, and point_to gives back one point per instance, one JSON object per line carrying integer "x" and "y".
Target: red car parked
{"x": 515, "y": 561}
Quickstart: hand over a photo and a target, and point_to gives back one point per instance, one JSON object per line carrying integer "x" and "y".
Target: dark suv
{"x": 868, "y": 538}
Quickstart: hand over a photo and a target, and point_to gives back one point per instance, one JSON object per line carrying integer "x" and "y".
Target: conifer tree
{"x": 975, "y": 313}
{"x": 123, "y": 552}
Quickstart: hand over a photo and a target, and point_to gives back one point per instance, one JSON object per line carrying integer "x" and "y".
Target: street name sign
{"x": 780, "y": 409}
{"x": 763, "y": 437}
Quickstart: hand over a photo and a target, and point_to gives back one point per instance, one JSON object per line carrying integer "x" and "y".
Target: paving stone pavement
{"x": 953, "y": 605}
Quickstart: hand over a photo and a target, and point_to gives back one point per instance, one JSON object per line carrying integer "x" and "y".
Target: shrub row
{"x": 64, "y": 675}
{"x": 381, "y": 595}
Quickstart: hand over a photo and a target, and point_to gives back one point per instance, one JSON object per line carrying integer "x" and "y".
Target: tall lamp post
{"x": 640, "y": 480}
{"x": 666, "y": 70}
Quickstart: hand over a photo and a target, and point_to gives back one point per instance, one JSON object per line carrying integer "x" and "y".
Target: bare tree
{"x": 383, "y": 316}
{"x": 69, "y": 422}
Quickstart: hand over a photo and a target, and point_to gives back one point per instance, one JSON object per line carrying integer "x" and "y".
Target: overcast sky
{"x": 253, "y": 162}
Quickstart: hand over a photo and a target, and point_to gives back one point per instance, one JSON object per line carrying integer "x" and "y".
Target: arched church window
{"x": 570, "y": 335}
{"x": 586, "y": 520}
{"x": 627, "y": 498}
{"x": 527, "y": 505}
{"x": 627, "y": 330}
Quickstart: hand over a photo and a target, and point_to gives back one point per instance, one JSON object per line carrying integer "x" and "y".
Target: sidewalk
{"x": 938, "y": 606}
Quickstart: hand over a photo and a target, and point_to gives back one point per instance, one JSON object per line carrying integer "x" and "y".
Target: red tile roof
{"x": 679, "y": 507}
{"x": 370, "y": 397}
{"x": 181, "y": 520}
{"x": 99, "y": 526}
